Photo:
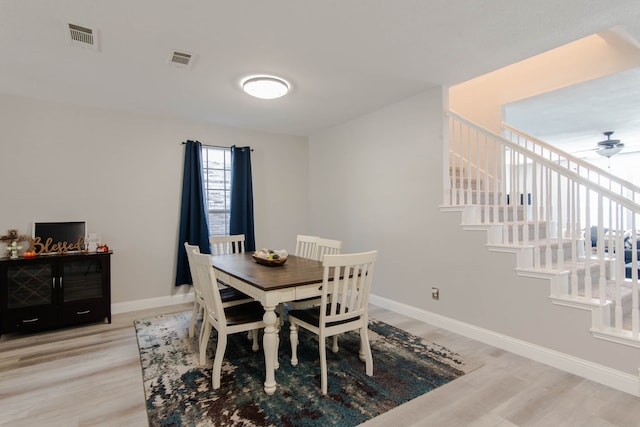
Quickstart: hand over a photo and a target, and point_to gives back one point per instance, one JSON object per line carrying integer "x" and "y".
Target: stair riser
{"x": 475, "y": 198}
{"x": 498, "y": 214}
{"x": 567, "y": 249}
{"x": 594, "y": 271}
{"x": 531, "y": 228}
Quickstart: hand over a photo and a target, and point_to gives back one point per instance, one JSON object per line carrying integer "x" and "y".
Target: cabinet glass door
{"x": 29, "y": 285}
{"x": 82, "y": 280}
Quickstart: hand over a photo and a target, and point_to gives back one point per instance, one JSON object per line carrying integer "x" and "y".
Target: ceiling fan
{"x": 609, "y": 147}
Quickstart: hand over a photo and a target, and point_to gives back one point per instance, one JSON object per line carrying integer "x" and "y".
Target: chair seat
{"x": 312, "y": 316}
{"x": 244, "y": 313}
{"x": 231, "y": 294}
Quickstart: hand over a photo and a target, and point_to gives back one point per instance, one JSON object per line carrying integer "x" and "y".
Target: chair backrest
{"x": 327, "y": 247}
{"x": 306, "y": 246}
{"x": 223, "y": 245}
{"x": 205, "y": 278}
{"x": 346, "y": 286}
{"x": 190, "y": 249}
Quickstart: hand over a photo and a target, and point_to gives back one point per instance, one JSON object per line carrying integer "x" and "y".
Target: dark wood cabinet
{"x": 51, "y": 291}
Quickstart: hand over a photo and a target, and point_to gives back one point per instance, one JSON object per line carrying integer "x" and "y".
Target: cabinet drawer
{"x": 83, "y": 312}
{"x": 28, "y": 319}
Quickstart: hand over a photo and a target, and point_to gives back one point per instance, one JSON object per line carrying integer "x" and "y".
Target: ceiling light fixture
{"x": 265, "y": 87}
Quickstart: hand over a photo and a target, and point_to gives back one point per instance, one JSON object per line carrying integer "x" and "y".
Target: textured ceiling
{"x": 574, "y": 118}
{"x": 344, "y": 58}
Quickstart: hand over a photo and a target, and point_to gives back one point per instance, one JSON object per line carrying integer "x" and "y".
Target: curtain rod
{"x": 213, "y": 146}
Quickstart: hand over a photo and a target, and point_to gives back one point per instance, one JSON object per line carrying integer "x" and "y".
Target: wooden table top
{"x": 296, "y": 271}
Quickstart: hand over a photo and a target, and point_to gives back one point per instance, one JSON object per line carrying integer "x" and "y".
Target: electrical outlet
{"x": 435, "y": 293}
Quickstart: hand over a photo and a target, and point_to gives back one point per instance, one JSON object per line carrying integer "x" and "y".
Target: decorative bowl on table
{"x": 270, "y": 258}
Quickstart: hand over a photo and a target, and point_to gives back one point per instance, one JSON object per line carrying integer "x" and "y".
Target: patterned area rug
{"x": 178, "y": 390}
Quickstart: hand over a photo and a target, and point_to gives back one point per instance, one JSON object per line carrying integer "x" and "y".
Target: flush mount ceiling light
{"x": 265, "y": 87}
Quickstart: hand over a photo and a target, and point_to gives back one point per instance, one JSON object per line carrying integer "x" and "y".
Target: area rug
{"x": 179, "y": 393}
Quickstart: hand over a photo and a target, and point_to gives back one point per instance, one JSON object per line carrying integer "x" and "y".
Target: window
{"x": 216, "y": 168}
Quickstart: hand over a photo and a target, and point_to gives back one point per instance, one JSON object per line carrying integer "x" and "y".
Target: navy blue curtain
{"x": 193, "y": 215}
{"x": 241, "y": 221}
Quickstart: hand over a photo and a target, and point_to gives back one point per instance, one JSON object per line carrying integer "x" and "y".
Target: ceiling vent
{"x": 78, "y": 35}
{"x": 181, "y": 59}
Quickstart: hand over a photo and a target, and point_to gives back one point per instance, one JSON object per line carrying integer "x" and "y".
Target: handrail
{"x": 631, "y": 188}
{"x": 624, "y": 201}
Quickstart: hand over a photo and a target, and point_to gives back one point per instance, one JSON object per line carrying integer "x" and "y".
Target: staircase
{"x": 567, "y": 221}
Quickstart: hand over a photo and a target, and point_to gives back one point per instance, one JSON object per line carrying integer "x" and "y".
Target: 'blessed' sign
{"x": 49, "y": 246}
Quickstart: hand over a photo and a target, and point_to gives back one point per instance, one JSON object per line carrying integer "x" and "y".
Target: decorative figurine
{"x": 12, "y": 238}
{"x": 102, "y": 248}
{"x": 13, "y": 249}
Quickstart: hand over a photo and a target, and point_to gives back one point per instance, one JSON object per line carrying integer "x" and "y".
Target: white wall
{"x": 122, "y": 173}
{"x": 370, "y": 184}
{"x": 376, "y": 183}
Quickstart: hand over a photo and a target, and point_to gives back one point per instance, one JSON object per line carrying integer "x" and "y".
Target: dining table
{"x": 271, "y": 285}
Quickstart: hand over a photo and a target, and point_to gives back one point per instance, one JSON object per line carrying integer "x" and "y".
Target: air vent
{"x": 78, "y": 35}
{"x": 181, "y": 59}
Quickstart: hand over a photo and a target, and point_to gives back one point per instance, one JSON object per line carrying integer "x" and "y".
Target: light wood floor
{"x": 90, "y": 376}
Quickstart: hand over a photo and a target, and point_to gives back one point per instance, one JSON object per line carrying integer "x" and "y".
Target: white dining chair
{"x": 306, "y": 246}
{"x": 327, "y": 247}
{"x": 346, "y": 287}
{"x": 228, "y": 295}
{"x": 323, "y": 247}
{"x": 226, "y": 320}
{"x": 198, "y": 303}
{"x": 222, "y": 245}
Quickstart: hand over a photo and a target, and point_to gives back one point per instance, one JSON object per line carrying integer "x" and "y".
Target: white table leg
{"x": 269, "y": 342}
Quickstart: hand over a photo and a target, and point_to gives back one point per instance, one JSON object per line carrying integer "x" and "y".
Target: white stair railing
{"x": 586, "y": 169}
{"x": 559, "y": 205}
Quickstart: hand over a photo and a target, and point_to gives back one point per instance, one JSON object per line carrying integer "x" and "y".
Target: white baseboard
{"x": 618, "y": 380}
{"x": 143, "y": 304}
